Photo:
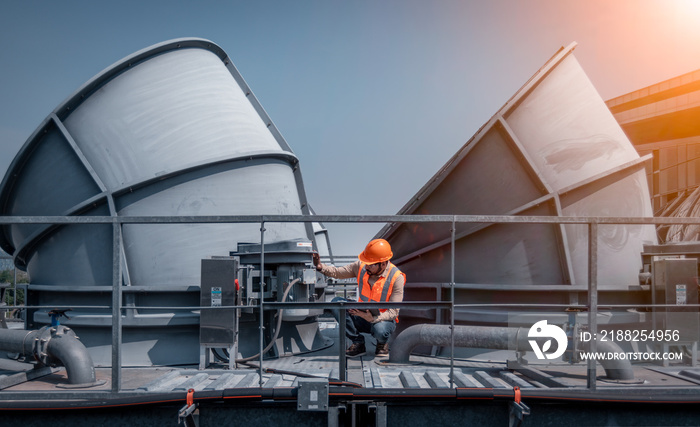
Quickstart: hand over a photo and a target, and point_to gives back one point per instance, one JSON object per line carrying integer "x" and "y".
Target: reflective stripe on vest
{"x": 381, "y": 291}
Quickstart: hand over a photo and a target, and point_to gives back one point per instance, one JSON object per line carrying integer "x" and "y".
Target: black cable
{"x": 272, "y": 341}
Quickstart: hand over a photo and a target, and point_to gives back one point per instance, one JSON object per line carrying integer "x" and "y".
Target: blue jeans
{"x": 355, "y": 325}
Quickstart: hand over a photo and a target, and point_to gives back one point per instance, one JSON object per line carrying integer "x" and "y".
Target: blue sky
{"x": 372, "y": 96}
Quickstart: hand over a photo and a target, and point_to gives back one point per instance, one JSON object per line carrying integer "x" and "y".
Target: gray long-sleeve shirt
{"x": 352, "y": 270}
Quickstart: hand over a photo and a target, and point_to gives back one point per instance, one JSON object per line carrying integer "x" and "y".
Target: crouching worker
{"x": 378, "y": 280}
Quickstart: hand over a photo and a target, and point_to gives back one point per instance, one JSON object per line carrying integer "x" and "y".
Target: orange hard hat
{"x": 378, "y": 250}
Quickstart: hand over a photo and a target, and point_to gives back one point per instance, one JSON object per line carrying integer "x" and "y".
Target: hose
{"x": 219, "y": 357}
{"x": 277, "y": 328}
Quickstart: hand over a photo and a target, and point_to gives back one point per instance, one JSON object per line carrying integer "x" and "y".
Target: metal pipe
{"x": 52, "y": 345}
{"x": 496, "y": 338}
{"x": 13, "y": 340}
{"x": 74, "y": 356}
{"x": 408, "y": 219}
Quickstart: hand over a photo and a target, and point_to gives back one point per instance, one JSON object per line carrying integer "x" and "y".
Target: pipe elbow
{"x": 615, "y": 369}
{"x": 404, "y": 344}
{"x": 72, "y": 354}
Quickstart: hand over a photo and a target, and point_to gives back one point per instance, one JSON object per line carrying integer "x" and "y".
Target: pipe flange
{"x": 41, "y": 344}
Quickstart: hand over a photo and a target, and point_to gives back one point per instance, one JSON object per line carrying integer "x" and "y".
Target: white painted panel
{"x": 174, "y": 110}
{"x": 567, "y": 129}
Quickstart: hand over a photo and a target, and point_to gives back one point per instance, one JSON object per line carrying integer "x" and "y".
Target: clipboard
{"x": 373, "y": 311}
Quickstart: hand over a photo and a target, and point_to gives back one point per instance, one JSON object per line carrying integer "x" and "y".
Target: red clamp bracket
{"x": 517, "y": 409}
{"x": 185, "y": 414}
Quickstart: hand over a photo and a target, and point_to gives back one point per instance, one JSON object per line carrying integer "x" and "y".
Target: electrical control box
{"x": 218, "y": 290}
{"x": 676, "y": 289}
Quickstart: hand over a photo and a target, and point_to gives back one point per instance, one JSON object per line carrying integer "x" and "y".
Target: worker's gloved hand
{"x": 317, "y": 261}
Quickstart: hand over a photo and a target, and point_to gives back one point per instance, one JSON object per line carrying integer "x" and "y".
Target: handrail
{"x": 203, "y": 219}
{"x": 451, "y": 220}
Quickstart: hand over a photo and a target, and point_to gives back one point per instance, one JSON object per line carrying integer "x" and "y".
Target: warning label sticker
{"x": 216, "y": 296}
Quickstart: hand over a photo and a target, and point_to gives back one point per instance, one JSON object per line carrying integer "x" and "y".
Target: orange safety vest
{"x": 381, "y": 290}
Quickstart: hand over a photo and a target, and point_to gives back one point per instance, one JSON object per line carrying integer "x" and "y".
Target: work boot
{"x": 382, "y": 350}
{"x": 356, "y": 349}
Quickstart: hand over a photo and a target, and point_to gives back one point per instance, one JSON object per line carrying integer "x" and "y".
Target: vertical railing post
{"x": 116, "y": 308}
{"x": 453, "y": 231}
{"x": 592, "y": 299}
{"x": 14, "y": 286}
{"x": 342, "y": 343}
{"x": 262, "y": 297}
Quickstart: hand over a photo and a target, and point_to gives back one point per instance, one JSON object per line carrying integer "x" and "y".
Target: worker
{"x": 378, "y": 280}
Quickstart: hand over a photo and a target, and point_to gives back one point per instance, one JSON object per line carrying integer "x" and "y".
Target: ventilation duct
{"x": 172, "y": 130}
{"x": 554, "y": 149}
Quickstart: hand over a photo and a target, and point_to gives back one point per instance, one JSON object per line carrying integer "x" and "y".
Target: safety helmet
{"x": 378, "y": 250}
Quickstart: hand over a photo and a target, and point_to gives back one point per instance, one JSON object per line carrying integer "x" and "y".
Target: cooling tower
{"x": 554, "y": 149}
{"x": 172, "y": 130}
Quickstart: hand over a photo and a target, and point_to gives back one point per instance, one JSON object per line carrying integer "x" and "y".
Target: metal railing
{"x": 449, "y": 220}
{"x": 13, "y": 304}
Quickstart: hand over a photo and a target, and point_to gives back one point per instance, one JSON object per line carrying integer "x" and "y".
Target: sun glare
{"x": 687, "y": 15}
